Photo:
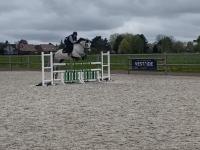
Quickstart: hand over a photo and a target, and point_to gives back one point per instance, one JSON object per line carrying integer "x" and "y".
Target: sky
{"x": 44, "y": 21}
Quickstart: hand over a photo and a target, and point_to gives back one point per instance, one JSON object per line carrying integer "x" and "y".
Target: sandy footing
{"x": 136, "y": 112}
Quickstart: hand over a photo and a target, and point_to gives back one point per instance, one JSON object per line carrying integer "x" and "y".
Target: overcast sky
{"x": 41, "y": 21}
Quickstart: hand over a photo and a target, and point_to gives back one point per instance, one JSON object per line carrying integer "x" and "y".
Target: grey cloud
{"x": 43, "y": 20}
{"x": 35, "y": 35}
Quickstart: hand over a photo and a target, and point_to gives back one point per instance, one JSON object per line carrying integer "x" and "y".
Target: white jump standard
{"x": 44, "y": 68}
{"x": 79, "y": 76}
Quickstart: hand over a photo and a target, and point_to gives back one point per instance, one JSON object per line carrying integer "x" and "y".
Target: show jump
{"x": 50, "y": 74}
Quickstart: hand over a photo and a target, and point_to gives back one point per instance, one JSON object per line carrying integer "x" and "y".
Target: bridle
{"x": 85, "y": 46}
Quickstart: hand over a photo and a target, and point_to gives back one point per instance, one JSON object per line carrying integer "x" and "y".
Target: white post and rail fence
{"x": 102, "y": 72}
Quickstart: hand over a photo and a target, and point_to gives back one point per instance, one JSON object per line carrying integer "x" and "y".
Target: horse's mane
{"x": 82, "y": 39}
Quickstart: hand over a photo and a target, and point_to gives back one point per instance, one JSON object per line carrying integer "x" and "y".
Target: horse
{"x": 80, "y": 50}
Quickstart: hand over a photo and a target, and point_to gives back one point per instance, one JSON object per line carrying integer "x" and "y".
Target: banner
{"x": 144, "y": 64}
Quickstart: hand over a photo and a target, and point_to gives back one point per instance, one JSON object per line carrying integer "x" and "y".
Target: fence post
{"x": 28, "y": 59}
{"x": 10, "y": 62}
{"x": 129, "y": 65}
{"x": 165, "y": 62}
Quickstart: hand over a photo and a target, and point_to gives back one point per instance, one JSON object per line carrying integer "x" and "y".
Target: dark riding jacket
{"x": 71, "y": 39}
{"x": 69, "y": 42}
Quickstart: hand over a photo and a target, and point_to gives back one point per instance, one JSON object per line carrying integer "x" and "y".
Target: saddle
{"x": 68, "y": 48}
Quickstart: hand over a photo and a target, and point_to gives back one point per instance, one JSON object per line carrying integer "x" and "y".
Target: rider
{"x": 69, "y": 43}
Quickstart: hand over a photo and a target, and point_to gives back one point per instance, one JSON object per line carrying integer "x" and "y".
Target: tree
{"x": 178, "y": 47}
{"x": 2, "y": 45}
{"x": 61, "y": 45}
{"x": 22, "y": 41}
{"x": 117, "y": 42}
{"x": 140, "y": 45}
{"x": 156, "y": 49}
{"x": 126, "y": 45}
{"x": 99, "y": 44}
{"x": 144, "y": 44}
{"x": 129, "y": 43}
{"x": 197, "y": 46}
{"x": 198, "y": 39}
{"x": 166, "y": 44}
{"x": 190, "y": 47}
{"x": 112, "y": 39}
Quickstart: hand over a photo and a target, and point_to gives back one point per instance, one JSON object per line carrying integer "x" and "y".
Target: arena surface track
{"x": 133, "y": 112}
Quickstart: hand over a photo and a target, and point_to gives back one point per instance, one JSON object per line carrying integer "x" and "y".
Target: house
{"x": 30, "y": 49}
{"x": 10, "y": 49}
{"x": 46, "y": 48}
{"x": 27, "y": 49}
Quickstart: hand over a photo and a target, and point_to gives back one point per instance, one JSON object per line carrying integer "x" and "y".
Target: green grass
{"x": 118, "y": 62}
{"x": 183, "y": 59}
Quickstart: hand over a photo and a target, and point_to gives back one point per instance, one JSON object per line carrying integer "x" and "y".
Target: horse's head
{"x": 85, "y": 44}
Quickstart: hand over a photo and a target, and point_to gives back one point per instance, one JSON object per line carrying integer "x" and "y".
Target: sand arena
{"x": 130, "y": 112}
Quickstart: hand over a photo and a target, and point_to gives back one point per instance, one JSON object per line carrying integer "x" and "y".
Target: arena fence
{"x": 183, "y": 62}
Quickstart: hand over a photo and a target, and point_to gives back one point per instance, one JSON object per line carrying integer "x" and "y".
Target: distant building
{"x": 46, "y": 48}
{"x": 26, "y": 49}
{"x": 30, "y": 49}
{"x": 10, "y": 49}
